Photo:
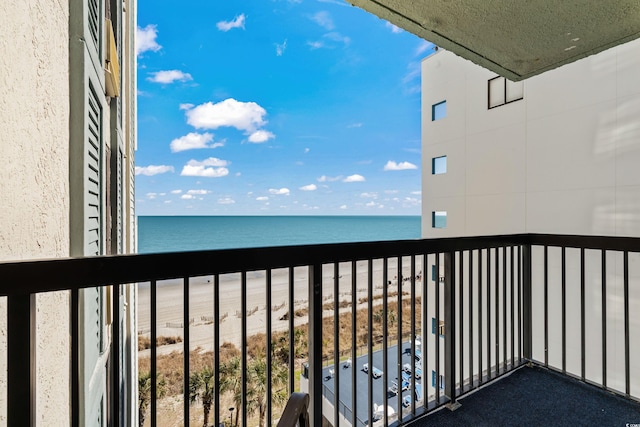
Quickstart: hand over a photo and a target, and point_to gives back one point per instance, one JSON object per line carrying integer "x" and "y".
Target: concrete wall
{"x": 561, "y": 160}
{"x": 34, "y": 205}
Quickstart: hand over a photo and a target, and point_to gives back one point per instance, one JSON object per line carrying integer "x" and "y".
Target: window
{"x": 503, "y": 91}
{"x": 439, "y": 327}
{"x": 439, "y": 111}
{"x": 439, "y": 219}
{"x": 433, "y": 380}
{"x": 439, "y": 165}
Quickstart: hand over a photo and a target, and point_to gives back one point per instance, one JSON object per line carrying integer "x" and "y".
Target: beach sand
{"x": 170, "y": 301}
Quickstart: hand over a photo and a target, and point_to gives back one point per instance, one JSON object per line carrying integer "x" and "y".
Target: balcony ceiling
{"x": 516, "y": 39}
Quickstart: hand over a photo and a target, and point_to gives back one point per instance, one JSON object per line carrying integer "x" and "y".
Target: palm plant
{"x": 231, "y": 381}
{"x": 144, "y": 393}
{"x": 202, "y": 387}
{"x": 256, "y": 399}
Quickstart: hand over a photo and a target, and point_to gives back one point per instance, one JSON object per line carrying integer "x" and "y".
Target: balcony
{"x": 448, "y": 321}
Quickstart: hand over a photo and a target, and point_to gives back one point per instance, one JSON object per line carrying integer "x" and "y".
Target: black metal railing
{"x": 463, "y": 311}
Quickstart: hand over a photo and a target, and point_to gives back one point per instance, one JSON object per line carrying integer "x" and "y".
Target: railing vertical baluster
{"x": 527, "y": 315}
{"x": 450, "y": 329}
{"x": 604, "y": 318}
{"x": 269, "y": 349}
{"x": 497, "y": 309}
{"x": 336, "y": 343}
{"x": 546, "y": 306}
{"x": 424, "y": 350}
{"x": 243, "y": 346}
{"x": 471, "y": 385}
{"x": 185, "y": 346}
{"x": 354, "y": 342}
{"x": 370, "y": 339}
{"x": 582, "y": 318}
{"x": 512, "y": 309}
{"x": 627, "y": 368}
{"x": 21, "y": 359}
{"x": 413, "y": 331}
{"x": 461, "y": 318}
{"x": 436, "y": 328}
{"x": 385, "y": 341}
{"x": 75, "y": 359}
{"x": 399, "y": 339}
{"x": 564, "y": 311}
{"x": 504, "y": 309}
{"x": 154, "y": 351}
{"x": 489, "y": 365}
{"x": 216, "y": 348}
{"x": 315, "y": 344}
{"x": 480, "y": 317}
{"x": 519, "y": 288}
{"x": 292, "y": 349}
{"x": 115, "y": 357}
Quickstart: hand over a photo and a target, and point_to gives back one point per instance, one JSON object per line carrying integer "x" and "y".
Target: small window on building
{"x": 433, "y": 380}
{"x": 439, "y": 165}
{"x": 503, "y": 91}
{"x": 439, "y": 111}
{"x": 439, "y": 219}
{"x": 439, "y": 327}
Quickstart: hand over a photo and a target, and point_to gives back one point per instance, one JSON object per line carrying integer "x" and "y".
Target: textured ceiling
{"x": 515, "y": 38}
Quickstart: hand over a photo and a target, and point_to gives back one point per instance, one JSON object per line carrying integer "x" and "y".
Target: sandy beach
{"x": 170, "y": 296}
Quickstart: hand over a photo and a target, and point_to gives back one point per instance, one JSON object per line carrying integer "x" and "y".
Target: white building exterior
{"x": 557, "y": 153}
{"x": 67, "y": 120}
{"x": 563, "y": 159}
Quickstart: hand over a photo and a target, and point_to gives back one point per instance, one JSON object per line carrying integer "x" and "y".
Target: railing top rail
{"x": 630, "y": 244}
{"x": 23, "y": 277}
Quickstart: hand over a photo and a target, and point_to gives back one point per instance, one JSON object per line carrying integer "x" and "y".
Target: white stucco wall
{"x": 562, "y": 160}
{"x": 34, "y": 195}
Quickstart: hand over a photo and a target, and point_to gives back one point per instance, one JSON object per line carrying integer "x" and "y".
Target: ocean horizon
{"x": 192, "y": 233}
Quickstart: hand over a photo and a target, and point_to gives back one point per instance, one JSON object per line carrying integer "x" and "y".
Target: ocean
{"x": 191, "y": 233}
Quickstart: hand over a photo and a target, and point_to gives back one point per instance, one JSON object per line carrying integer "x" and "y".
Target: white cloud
{"x": 246, "y": 116}
{"x": 187, "y": 196}
{"x": 169, "y": 76}
{"x": 393, "y": 166}
{"x": 151, "y": 195}
{"x": 315, "y": 45}
{"x": 226, "y": 201}
{"x": 423, "y": 47}
{"x": 390, "y": 191}
{"x": 372, "y": 195}
{"x": 186, "y": 106}
{"x": 237, "y": 22}
{"x": 354, "y": 125}
{"x": 323, "y": 19}
{"x": 146, "y": 39}
{"x": 153, "y": 170}
{"x": 343, "y": 207}
{"x": 416, "y": 193}
{"x": 336, "y": 2}
{"x": 176, "y": 191}
{"x": 262, "y": 198}
{"x": 281, "y": 191}
{"x": 306, "y": 150}
{"x": 337, "y": 37}
{"x": 325, "y": 178}
{"x": 371, "y": 204}
{"x": 310, "y": 187}
{"x": 260, "y": 136}
{"x": 354, "y": 178}
{"x": 193, "y": 141}
{"x": 208, "y": 168}
{"x": 198, "y": 192}
{"x": 280, "y": 48}
{"x": 394, "y": 29}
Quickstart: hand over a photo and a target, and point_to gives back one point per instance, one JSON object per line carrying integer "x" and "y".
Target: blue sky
{"x": 276, "y": 107}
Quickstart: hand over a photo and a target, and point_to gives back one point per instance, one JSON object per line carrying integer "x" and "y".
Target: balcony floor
{"x": 535, "y": 397}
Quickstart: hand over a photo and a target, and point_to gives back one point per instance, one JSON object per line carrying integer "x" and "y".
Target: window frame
{"x": 434, "y": 108}
{"x": 504, "y": 91}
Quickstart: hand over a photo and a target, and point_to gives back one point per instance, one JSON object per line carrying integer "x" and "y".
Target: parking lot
{"x": 381, "y": 385}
